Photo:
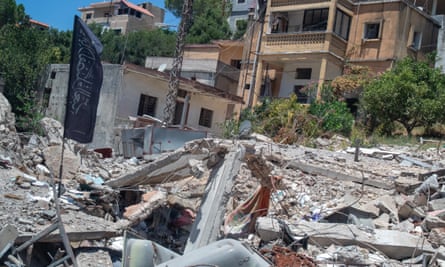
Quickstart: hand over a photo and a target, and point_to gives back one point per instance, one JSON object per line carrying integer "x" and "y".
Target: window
{"x": 107, "y": 14}
{"x": 147, "y": 105}
{"x": 138, "y": 14}
{"x": 302, "y": 96}
{"x": 182, "y": 93}
{"x": 372, "y": 31}
{"x": 178, "y": 113}
{"x": 89, "y": 16}
{"x": 236, "y": 63}
{"x": 205, "y": 117}
{"x": 241, "y": 1}
{"x": 122, "y": 11}
{"x": 303, "y": 74}
{"x": 417, "y": 37}
{"x": 315, "y": 19}
{"x": 342, "y": 24}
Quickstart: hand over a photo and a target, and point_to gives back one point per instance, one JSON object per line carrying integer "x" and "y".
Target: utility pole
{"x": 175, "y": 73}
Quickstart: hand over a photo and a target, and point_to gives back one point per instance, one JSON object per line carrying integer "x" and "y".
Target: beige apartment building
{"x": 308, "y": 42}
{"x": 123, "y": 16}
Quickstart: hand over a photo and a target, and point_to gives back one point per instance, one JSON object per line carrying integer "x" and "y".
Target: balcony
{"x": 278, "y": 3}
{"x": 305, "y": 42}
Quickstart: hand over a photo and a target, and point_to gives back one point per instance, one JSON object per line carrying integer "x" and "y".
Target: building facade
{"x": 123, "y": 16}
{"x": 240, "y": 11}
{"x": 305, "y": 43}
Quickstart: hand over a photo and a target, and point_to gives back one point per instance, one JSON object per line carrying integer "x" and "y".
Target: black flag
{"x": 84, "y": 84}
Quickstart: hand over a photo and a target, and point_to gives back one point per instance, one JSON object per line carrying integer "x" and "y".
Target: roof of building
{"x": 185, "y": 84}
{"x": 137, "y": 8}
{"x": 38, "y": 23}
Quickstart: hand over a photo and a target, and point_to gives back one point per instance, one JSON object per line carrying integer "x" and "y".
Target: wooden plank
{"x": 314, "y": 170}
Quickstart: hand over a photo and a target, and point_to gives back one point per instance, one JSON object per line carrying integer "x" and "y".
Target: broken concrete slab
{"x": 437, "y": 237}
{"x": 8, "y": 234}
{"x": 210, "y": 217}
{"x": 150, "y": 201}
{"x": 172, "y": 166}
{"x": 415, "y": 161}
{"x": 436, "y": 204}
{"x": 268, "y": 228}
{"x": 71, "y": 162}
{"x": 394, "y": 244}
{"x": 406, "y": 185}
{"x": 387, "y": 204}
{"x": 431, "y": 222}
{"x": 315, "y": 170}
{"x": 382, "y": 222}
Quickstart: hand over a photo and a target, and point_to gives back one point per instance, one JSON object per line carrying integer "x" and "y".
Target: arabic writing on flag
{"x": 85, "y": 81}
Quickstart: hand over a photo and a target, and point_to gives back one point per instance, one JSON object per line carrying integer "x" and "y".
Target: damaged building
{"x": 134, "y": 97}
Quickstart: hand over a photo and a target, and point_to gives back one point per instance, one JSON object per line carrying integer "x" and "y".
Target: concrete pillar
{"x": 258, "y": 83}
{"x": 322, "y": 76}
{"x": 331, "y": 17}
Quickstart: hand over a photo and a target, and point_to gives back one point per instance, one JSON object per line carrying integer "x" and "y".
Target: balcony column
{"x": 322, "y": 76}
{"x": 258, "y": 83}
{"x": 331, "y": 17}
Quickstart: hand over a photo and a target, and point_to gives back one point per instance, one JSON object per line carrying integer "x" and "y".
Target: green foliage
{"x": 209, "y": 20}
{"x": 230, "y": 128}
{"x": 11, "y": 13}
{"x": 335, "y": 116}
{"x": 241, "y": 27}
{"x": 210, "y": 25}
{"x": 24, "y": 53}
{"x": 136, "y": 45}
{"x": 412, "y": 94}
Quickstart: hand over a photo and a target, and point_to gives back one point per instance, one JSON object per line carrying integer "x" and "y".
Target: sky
{"x": 59, "y": 14}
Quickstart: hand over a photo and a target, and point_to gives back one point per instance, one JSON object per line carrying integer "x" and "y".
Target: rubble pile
{"x": 284, "y": 205}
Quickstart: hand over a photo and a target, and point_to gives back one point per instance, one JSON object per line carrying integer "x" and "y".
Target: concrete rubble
{"x": 288, "y": 205}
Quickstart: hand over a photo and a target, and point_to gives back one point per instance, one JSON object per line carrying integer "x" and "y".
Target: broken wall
{"x": 57, "y": 85}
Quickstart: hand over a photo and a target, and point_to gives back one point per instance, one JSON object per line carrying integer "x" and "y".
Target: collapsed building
{"x": 217, "y": 202}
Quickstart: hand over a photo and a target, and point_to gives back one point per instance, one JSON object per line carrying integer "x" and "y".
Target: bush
{"x": 335, "y": 116}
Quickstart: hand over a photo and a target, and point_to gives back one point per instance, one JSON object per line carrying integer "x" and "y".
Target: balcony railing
{"x": 305, "y": 42}
{"x": 277, "y": 3}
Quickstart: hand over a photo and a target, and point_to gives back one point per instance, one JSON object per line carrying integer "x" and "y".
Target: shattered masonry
{"x": 283, "y": 205}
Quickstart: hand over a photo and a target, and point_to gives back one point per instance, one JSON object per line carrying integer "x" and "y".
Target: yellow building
{"x": 308, "y": 42}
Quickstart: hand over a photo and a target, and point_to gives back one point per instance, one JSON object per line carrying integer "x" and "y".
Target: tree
{"x": 355, "y": 77}
{"x": 134, "y": 47}
{"x": 10, "y": 13}
{"x": 24, "y": 53}
{"x": 209, "y": 19}
{"x": 241, "y": 27}
{"x": 412, "y": 93}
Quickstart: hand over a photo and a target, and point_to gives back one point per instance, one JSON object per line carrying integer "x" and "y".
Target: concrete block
{"x": 387, "y": 204}
{"x": 394, "y": 244}
{"x": 431, "y": 222}
{"x": 382, "y": 222}
{"x": 268, "y": 228}
{"x": 437, "y": 237}
{"x": 436, "y": 204}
